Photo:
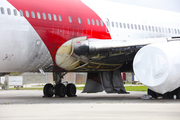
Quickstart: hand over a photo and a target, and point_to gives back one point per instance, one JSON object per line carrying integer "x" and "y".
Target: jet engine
{"x": 158, "y": 66}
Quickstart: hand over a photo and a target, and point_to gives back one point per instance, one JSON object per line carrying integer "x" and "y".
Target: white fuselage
{"x": 153, "y": 23}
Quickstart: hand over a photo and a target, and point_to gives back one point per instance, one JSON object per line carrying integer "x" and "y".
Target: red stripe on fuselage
{"x": 55, "y": 33}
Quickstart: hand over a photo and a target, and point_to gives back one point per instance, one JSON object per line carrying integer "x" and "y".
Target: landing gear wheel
{"x": 71, "y": 90}
{"x": 48, "y": 90}
{"x": 152, "y": 93}
{"x": 60, "y": 90}
{"x": 178, "y": 93}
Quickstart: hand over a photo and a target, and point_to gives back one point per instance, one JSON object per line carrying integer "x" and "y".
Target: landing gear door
{"x": 108, "y": 27}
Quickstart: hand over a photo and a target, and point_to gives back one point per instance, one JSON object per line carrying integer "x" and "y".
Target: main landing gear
{"x": 59, "y": 89}
{"x": 169, "y": 95}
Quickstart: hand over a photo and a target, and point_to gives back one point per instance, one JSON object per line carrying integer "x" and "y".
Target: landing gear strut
{"x": 59, "y": 89}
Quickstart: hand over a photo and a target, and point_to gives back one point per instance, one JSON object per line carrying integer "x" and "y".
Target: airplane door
{"x": 108, "y": 27}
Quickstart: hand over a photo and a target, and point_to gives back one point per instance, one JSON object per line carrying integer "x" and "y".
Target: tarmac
{"x": 30, "y": 105}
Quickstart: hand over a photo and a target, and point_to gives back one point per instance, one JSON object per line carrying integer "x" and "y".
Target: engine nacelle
{"x": 158, "y": 66}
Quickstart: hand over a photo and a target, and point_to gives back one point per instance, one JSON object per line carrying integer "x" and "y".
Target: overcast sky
{"x": 171, "y": 5}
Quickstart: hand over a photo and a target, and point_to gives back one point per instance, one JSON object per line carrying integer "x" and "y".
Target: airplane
{"x": 100, "y": 37}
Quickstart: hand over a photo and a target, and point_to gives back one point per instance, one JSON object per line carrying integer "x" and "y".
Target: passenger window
{"x": 93, "y": 22}
{"x": 79, "y": 20}
{"x": 166, "y": 30}
{"x": 152, "y": 28}
{"x": 132, "y": 26}
{"x": 149, "y": 28}
{"x": 21, "y": 12}
{"x": 88, "y": 21}
{"x": 55, "y": 18}
{"x": 159, "y": 29}
{"x": 128, "y": 26}
{"x": 49, "y": 16}
{"x": 44, "y": 16}
{"x": 117, "y": 24}
{"x": 124, "y": 25}
{"x": 27, "y": 14}
{"x": 38, "y": 15}
{"x": 9, "y": 11}
{"x": 162, "y": 30}
{"x": 97, "y": 22}
{"x": 101, "y": 22}
{"x": 33, "y": 15}
{"x": 169, "y": 30}
{"x": 60, "y": 18}
{"x": 135, "y": 26}
{"x": 70, "y": 19}
{"x": 112, "y": 24}
{"x": 139, "y": 27}
{"x": 142, "y": 27}
{"x": 178, "y": 31}
{"x": 146, "y": 28}
{"x": 156, "y": 29}
{"x": 120, "y": 25}
{"x": 175, "y": 31}
{"x": 15, "y": 12}
{"x": 172, "y": 31}
{"x": 2, "y": 10}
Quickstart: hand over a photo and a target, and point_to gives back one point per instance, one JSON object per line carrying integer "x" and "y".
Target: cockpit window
{"x": 2, "y": 10}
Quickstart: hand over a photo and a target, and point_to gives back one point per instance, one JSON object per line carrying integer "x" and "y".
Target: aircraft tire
{"x": 178, "y": 93}
{"x": 71, "y": 90}
{"x": 48, "y": 90}
{"x": 60, "y": 90}
{"x": 152, "y": 93}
